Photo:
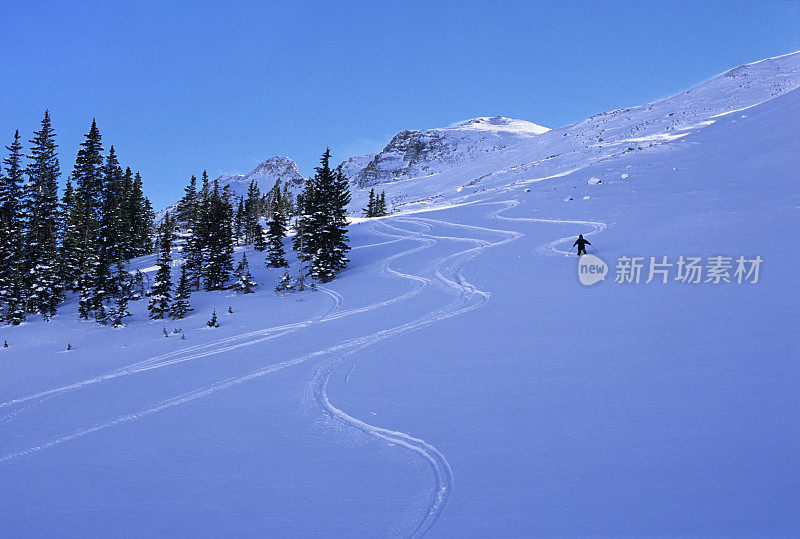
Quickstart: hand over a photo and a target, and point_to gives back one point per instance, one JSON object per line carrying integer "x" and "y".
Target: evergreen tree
{"x": 188, "y": 210}
{"x": 119, "y": 312}
{"x": 218, "y": 252}
{"x": 276, "y": 231}
{"x": 244, "y": 281}
{"x": 11, "y": 225}
{"x": 369, "y": 211}
{"x": 238, "y": 223}
{"x": 286, "y": 284}
{"x": 382, "y": 209}
{"x": 260, "y": 243}
{"x": 197, "y": 243}
{"x": 70, "y": 249}
{"x": 141, "y": 218}
{"x": 42, "y": 212}
{"x": 328, "y": 222}
{"x": 90, "y": 304}
{"x": 162, "y": 285}
{"x": 88, "y": 176}
{"x": 16, "y": 300}
{"x": 252, "y": 214}
{"x": 180, "y": 307}
{"x": 213, "y": 322}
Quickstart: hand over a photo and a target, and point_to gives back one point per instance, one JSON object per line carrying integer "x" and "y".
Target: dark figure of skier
{"x": 581, "y": 243}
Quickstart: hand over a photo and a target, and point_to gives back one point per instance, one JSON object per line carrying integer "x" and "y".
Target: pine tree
{"x": 141, "y": 218}
{"x": 213, "y": 322}
{"x": 328, "y": 222}
{"x": 260, "y": 243}
{"x": 188, "y": 209}
{"x": 11, "y": 224}
{"x": 90, "y": 304}
{"x": 180, "y": 307}
{"x": 286, "y": 284}
{"x": 252, "y": 214}
{"x": 197, "y": 243}
{"x": 238, "y": 223}
{"x": 369, "y": 211}
{"x": 162, "y": 284}
{"x": 276, "y": 231}
{"x": 70, "y": 249}
{"x": 381, "y": 206}
{"x": 244, "y": 281}
{"x": 218, "y": 252}
{"x": 41, "y": 277}
{"x": 119, "y": 312}
{"x": 88, "y": 177}
{"x": 15, "y": 306}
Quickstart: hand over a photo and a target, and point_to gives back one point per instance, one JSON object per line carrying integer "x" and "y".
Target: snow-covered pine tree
{"x": 369, "y": 211}
{"x": 218, "y": 256}
{"x": 11, "y": 225}
{"x": 329, "y": 222}
{"x": 142, "y": 216}
{"x": 244, "y": 280}
{"x": 286, "y": 284}
{"x": 162, "y": 284}
{"x": 41, "y": 276}
{"x": 16, "y": 300}
{"x": 112, "y": 237}
{"x": 213, "y": 322}
{"x": 276, "y": 231}
{"x": 260, "y": 243}
{"x": 188, "y": 208}
{"x": 252, "y": 214}
{"x": 238, "y": 223}
{"x": 88, "y": 176}
{"x": 70, "y": 248}
{"x": 90, "y": 304}
{"x": 119, "y": 312}
{"x": 197, "y": 242}
{"x": 180, "y": 306}
{"x": 381, "y": 206}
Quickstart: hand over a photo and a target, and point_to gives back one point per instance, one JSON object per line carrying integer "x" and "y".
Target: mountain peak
{"x": 501, "y": 123}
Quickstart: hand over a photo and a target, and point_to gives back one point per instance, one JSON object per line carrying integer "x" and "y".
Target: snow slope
{"x": 457, "y": 380}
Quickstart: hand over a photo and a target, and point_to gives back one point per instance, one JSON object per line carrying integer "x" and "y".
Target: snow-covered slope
{"x": 457, "y": 379}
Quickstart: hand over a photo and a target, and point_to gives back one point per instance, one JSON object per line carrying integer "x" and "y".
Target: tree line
{"x": 78, "y": 244}
{"x": 83, "y": 242}
{"x": 209, "y": 227}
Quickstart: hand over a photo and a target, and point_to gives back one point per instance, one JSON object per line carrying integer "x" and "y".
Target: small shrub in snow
{"x": 213, "y": 322}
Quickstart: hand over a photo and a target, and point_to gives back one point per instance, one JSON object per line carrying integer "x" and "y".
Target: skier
{"x": 581, "y": 243}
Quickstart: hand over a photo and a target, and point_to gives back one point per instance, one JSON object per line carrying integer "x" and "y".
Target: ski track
{"x": 550, "y": 248}
{"x": 447, "y": 269}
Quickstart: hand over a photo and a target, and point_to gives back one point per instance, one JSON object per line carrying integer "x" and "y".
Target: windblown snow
{"x": 457, "y": 379}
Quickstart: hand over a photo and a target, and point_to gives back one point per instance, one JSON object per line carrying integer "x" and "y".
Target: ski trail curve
{"x": 550, "y": 248}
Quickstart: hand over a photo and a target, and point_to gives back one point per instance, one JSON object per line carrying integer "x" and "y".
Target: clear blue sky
{"x": 178, "y": 87}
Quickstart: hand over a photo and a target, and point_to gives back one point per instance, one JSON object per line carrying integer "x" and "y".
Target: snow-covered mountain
{"x": 265, "y": 175}
{"x": 425, "y": 153}
{"x": 438, "y": 166}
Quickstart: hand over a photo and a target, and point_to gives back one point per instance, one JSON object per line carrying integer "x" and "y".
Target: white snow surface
{"x": 457, "y": 379}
